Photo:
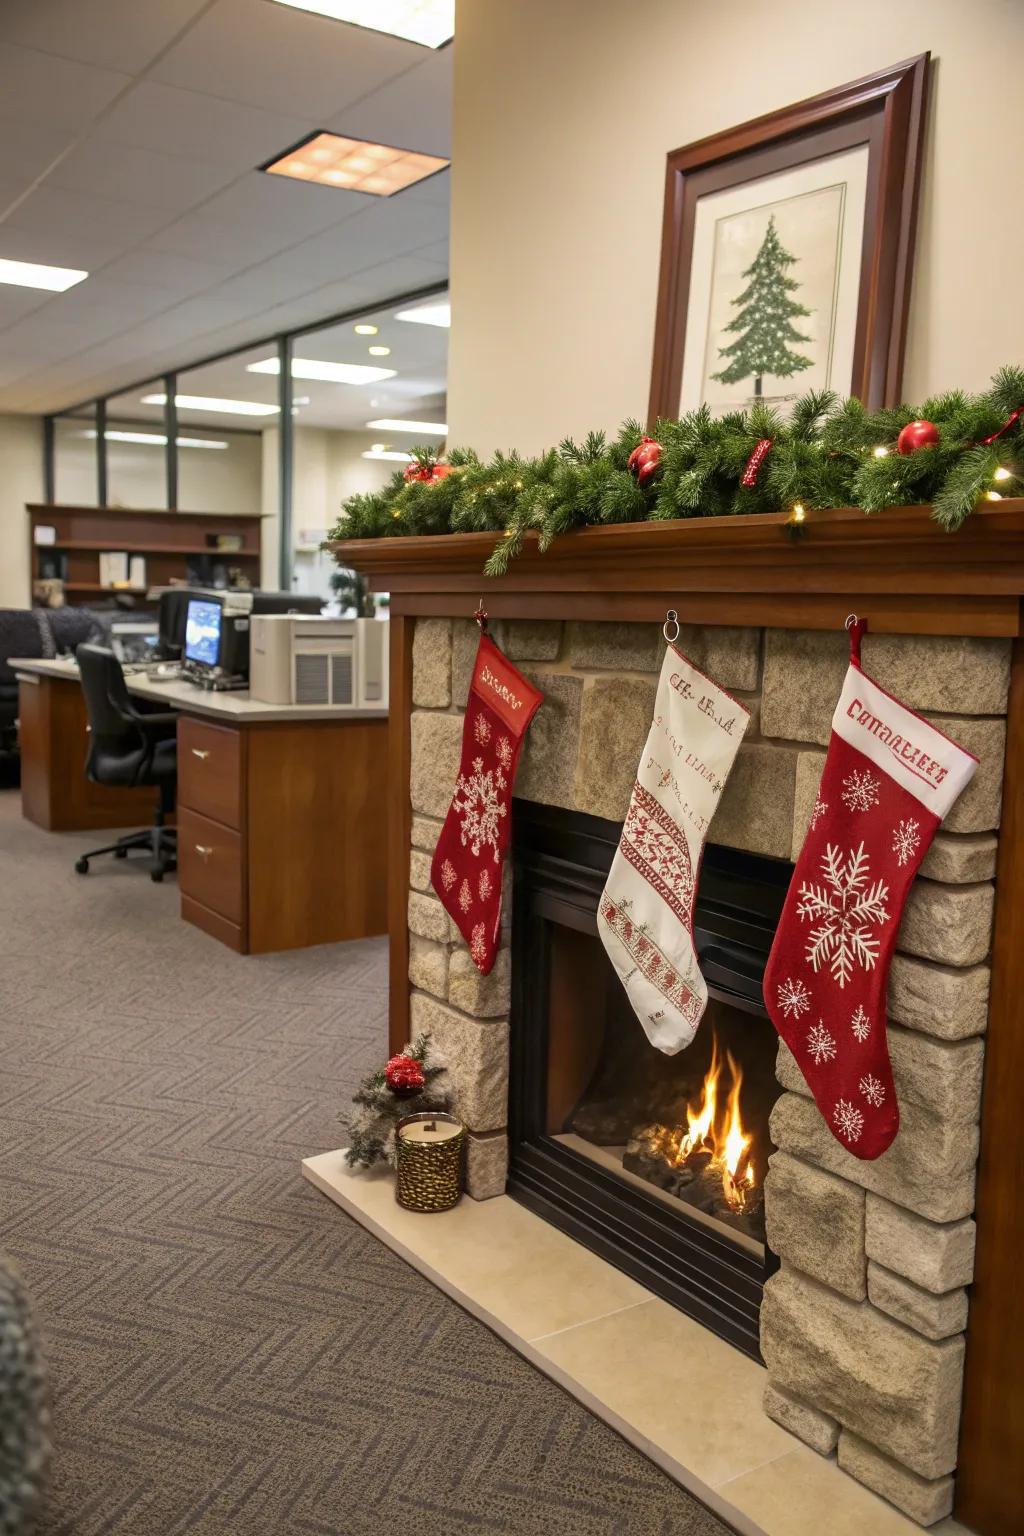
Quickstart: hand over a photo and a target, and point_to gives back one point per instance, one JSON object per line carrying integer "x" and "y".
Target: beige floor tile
{"x": 692, "y": 1396}
{"x": 803, "y": 1494}
{"x": 528, "y": 1277}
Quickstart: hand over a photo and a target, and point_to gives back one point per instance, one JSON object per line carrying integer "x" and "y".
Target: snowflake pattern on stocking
{"x": 482, "y": 730}
{"x": 448, "y": 875}
{"x": 465, "y": 896}
{"x": 848, "y": 1119}
{"x": 820, "y": 807}
{"x": 820, "y": 1044}
{"x": 794, "y": 998}
{"x": 860, "y": 790}
{"x": 484, "y": 885}
{"x": 504, "y": 751}
{"x": 906, "y": 840}
{"x": 476, "y": 802}
{"x": 478, "y": 945}
{"x": 860, "y": 1024}
{"x": 872, "y": 1089}
{"x": 846, "y": 909}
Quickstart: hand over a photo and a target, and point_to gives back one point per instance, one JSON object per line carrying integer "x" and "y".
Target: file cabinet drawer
{"x": 210, "y": 865}
{"x": 210, "y": 770}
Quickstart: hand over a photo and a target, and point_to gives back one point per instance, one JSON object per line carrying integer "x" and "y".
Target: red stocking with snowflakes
{"x": 889, "y": 780}
{"x": 470, "y": 854}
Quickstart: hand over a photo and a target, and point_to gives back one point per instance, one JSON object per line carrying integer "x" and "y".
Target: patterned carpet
{"x": 228, "y": 1352}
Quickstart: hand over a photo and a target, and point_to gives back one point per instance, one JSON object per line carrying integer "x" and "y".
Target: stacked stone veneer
{"x": 862, "y": 1327}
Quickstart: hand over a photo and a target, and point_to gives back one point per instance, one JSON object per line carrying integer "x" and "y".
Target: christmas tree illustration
{"x": 764, "y": 324}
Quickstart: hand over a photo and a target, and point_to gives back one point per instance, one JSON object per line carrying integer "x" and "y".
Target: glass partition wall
{"x": 245, "y": 433}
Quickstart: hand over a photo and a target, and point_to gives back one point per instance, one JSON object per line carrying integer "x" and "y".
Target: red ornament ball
{"x": 403, "y": 1075}
{"x": 644, "y": 459}
{"x": 440, "y": 471}
{"x": 915, "y": 435}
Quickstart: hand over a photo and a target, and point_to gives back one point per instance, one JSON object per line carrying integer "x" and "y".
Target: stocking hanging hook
{"x": 671, "y": 619}
{"x": 851, "y": 620}
{"x": 481, "y": 617}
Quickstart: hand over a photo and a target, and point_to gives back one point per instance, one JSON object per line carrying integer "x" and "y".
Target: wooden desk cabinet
{"x": 53, "y": 739}
{"x": 281, "y": 831}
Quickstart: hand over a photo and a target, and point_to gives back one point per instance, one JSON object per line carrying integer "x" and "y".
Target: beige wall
{"x": 564, "y": 112}
{"x": 21, "y": 481}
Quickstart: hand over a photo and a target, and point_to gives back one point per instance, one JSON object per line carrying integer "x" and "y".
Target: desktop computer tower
{"x": 295, "y": 659}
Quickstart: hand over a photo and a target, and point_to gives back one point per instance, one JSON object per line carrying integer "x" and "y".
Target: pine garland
{"x": 829, "y": 453}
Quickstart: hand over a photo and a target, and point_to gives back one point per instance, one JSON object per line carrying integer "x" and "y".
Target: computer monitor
{"x": 173, "y": 610}
{"x": 203, "y": 631}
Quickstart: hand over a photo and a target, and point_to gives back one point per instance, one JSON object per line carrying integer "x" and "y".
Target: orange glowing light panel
{"x": 355, "y": 165}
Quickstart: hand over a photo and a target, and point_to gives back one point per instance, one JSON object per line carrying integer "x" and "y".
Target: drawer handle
{"x": 204, "y": 853}
{"x": 196, "y": 752}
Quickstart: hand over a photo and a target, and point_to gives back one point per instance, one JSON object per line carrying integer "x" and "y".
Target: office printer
{"x": 295, "y": 659}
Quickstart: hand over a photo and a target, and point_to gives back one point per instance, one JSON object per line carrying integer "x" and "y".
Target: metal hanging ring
{"x": 671, "y": 618}
{"x": 851, "y": 620}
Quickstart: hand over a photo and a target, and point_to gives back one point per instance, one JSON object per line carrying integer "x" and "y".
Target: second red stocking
{"x": 889, "y": 780}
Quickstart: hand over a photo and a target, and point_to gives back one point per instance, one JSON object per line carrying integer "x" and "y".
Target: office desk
{"x": 282, "y": 816}
{"x": 53, "y": 737}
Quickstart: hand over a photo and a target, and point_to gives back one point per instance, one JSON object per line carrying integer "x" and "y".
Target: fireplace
{"x": 657, "y": 1163}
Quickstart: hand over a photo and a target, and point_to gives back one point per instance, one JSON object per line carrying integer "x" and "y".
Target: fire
{"x": 721, "y": 1135}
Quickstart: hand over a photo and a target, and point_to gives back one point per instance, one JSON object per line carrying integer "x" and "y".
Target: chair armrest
{"x": 159, "y": 721}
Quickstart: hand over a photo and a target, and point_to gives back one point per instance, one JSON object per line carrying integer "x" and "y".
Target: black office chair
{"x": 128, "y": 748}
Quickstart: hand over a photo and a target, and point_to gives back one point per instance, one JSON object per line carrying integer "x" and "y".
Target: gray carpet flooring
{"x": 228, "y": 1352}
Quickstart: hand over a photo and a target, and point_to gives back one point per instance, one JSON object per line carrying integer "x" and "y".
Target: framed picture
{"x": 787, "y": 250}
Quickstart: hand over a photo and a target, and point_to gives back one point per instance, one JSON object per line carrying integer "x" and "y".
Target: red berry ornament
{"x": 404, "y": 1075}
{"x": 915, "y": 435}
{"x": 644, "y": 459}
{"x": 415, "y": 471}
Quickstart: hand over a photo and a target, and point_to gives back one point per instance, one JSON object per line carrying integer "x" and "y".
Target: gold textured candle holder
{"x": 429, "y": 1173}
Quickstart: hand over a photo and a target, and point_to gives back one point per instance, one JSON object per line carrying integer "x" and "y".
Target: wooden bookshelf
{"x": 166, "y": 540}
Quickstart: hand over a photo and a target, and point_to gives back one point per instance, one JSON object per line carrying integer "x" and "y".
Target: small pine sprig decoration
{"x": 414, "y": 1080}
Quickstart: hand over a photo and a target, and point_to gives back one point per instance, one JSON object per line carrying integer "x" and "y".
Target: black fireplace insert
{"x": 654, "y": 1162}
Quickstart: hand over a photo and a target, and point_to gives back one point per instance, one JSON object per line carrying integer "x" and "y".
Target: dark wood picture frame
{"x": 885, "y": 112}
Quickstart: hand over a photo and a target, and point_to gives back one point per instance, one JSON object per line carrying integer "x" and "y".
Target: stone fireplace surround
{"x": 863, "y": 1326}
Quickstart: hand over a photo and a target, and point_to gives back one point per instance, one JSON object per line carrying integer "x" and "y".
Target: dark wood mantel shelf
{"x": 898, "y": 567}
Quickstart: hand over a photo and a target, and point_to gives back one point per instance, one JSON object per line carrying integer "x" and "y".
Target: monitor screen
{"x": 202, "y": 632}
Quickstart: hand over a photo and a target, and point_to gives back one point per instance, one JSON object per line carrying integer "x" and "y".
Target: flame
{"x": 723, "y": 1136}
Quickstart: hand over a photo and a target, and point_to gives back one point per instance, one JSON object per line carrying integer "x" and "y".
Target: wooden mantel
{"x": 902, "y": 572}
{"x": 898, "y": 566}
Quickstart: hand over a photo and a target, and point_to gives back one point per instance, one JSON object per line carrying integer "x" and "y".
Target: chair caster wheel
{"x": 81, "y": 866}
{"x": 120, "y": 853}
{"x": 156, "y": 875}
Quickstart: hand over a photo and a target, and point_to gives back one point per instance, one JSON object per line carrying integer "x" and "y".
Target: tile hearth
{"x": 684, "y": 1398}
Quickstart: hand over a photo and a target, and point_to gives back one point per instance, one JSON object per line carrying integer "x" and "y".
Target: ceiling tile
{"x": 174, "y": 122}
{"x": 70, "y": 247}
{"x": 178, "y": 274}
{"x": 118, "y": 34}
{"x": 26, "y": 149}
{"x": 412, "y": 112}
{"x": 16, "y": 302}
{"x": 53, "y": 211}
{"x": 286, "y": 60}
{"x": 143, "y": 176}
{"x": 58, "y": 93}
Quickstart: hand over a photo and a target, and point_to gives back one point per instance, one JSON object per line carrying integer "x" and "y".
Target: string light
{"x": 993, "y": 496}
{"x": 1002, "y": 474}
{"x": 880, "y": 453}
{"x": 798, "y": 513}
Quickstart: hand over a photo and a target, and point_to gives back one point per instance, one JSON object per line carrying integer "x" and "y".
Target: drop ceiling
{"x": 129, "y": 137}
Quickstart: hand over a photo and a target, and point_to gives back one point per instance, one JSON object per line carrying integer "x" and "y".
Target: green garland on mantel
{"x": 828, "y": 453}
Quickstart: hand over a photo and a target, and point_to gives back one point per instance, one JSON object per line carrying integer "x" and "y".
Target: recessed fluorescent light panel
{"x": 425, "y": 428}
{"x": 355, "y": 165}
{"x": 29, "y": 274}
{"x": 211, "y": 403}
{"x": 388, "y": 453}
{"x": 327, "y": 373}
{"x": 114, "y": 436}
{"x": 428, "y": 314}
{"x": 427, "y": 22}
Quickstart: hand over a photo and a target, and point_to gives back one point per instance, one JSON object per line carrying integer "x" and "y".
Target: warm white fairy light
{"x": 881, "y": 453}
{"x": 1002, "y": 473}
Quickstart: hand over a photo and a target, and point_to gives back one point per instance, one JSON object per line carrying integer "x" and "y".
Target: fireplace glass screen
{"x": 656, "y": 1162}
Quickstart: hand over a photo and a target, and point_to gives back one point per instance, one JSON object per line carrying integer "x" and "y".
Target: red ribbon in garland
{"x": 1007, "y": 424}
{"x": 757, "y": 458}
